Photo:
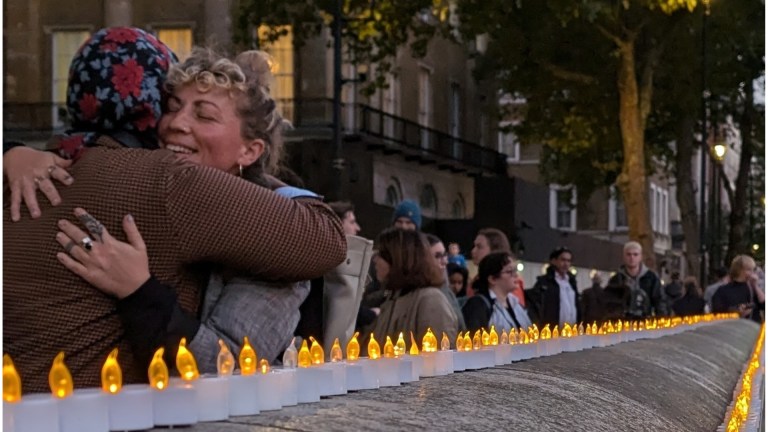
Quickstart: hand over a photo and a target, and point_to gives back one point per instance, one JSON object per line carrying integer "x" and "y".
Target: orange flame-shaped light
{"x": 59, "y": 378}
{"x": 247, "y": 358}
{"x": 414, "y": 346}
{"x": 555, "y": 332}
{"x": 389, "y": 348}
{"x": 11, "y": 381}
{"x": 467, "y": 341}
{"x": 353, "y": 348}
{"x": 581, "y": 329}
{"x": 305, "y": 358}
{"x": 535, "y": 335}
{"x": 546, "y": 333}
{"x": 374, "y": 351}
{"x": 291, "y": 356}
{"x": 185, "y": 362}
{"x": 567, "y": 332}
{"x": 493, "y": 337}
{"x": 594, "y": 327}
{"x": 485, "y": 337}
{"x": 477, "y": 341}
{"x": 400, "y": 346}
{"x": 111, "y": 375}
{"x": 264, "y": 366}
{"x": 158, "y": 371}
{"x": 523, "y": 338}
{"x": 445, "y": 343}
{"x": 634, "y": 325}
{"x": 225, "y": 361}
{"x": 504, "y": 337}
{"x": 460, "y": 342}
{"x": 429, "y": 341}
{"x": 336, "y": 353}
{"x": 317, "y": 352}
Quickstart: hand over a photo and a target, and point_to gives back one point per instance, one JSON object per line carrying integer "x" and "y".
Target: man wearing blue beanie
{"x": 407, "y": 216}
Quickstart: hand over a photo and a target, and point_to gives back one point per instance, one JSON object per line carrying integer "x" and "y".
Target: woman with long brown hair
{"x": 405, "y": 266}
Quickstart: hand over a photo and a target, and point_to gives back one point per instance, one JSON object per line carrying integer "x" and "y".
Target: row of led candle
{"x": 166, "y": 401}
{"x": 743, "y": 412}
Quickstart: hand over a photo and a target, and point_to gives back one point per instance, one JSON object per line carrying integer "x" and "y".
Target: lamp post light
{"x": 718, "y": 154}
{"x": 703, "y": 176}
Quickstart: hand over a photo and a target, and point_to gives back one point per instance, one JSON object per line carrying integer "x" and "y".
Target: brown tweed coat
{"x": 186, "y": 213}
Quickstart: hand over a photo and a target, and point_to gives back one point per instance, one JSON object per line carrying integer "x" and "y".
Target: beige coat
{"x": 415, "y": 311}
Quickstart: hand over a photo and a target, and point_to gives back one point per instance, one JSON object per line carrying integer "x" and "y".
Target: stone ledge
{"x": 682, "y": 382}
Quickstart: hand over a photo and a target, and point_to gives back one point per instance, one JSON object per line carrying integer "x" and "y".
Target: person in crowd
{"x": 592, "y": 304}
{"x": 246, "y": 305}
{"x": 455, "y": 256}
{"x": 494, "y": 304}
{"x": 490, "y": 240}
{"x": 437, "y": 248}
{"x": 346, "y": 212}
{"x": 407, "y": 216}
{"x": 738, "y": 295}
{"x": 412, "y": 280}
{"x": 647, "y": 297}
{"x": 178, "y": 205}
{"x": 554, "y": 298}
{"x": 691, "y": 301}
{"x": 722, "y": 279}
{"x": 458, "y": 277}
{"x": 674, "y": 290}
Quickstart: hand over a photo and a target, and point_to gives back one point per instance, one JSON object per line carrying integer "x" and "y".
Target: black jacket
{"x": 650, "y": 283}
{"x": 543, "y": 300}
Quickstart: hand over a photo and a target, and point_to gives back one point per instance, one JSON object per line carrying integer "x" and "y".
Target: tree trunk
{"x": 632, "y": 180}
{"x": 686, "y": 196}
{"x": 737, "y": 243}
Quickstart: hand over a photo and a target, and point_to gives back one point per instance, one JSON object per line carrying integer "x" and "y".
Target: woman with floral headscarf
{"x": 178, "y": 206}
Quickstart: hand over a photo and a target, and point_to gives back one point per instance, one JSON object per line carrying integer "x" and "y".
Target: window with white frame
{"x": 283, "y": 69}
{"x": 507, "y": 142}
{"x": 659, "y": 203}
{"x": 394, "y": 193}
{"x": 617, "y": 212}
{"x": 64, "y": 46}
{"x": 178, "y": 39}
{"x": 562, "y": 207}
{"x": 664, "y": 210}
{"x": 653, "y": 190}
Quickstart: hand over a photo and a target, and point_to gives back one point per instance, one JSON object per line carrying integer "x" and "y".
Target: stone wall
{"x": 675, "y": 383}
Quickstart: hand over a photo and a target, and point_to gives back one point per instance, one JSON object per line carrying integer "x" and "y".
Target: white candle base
{"x": 458, "y": 361}
{"x": 270, "y": 391}
{"x": 311, "y": 384}
{"x": 389, "y": 372}
{"x": 409, "y": 371}
{"x": 84, "y": 410}
{"x": 131, "y": 409}
{"x": 8, "y": 425}
{"x": 370, "y": 374}
{"x": 355, "y": 380}
{"x": 503, "y": 354}
{"x": 289, "y": 386}
{"x": 174, "y": 406}
{"x": 243, "y": 395}
{"x": 466, "y": 359}
{"x": 437, "y": 363}
{"x": 212, "y": 398}
{"x": 487, "y": 358}
{"x": 339, "y": 373}
{"x": 34, "y": 413}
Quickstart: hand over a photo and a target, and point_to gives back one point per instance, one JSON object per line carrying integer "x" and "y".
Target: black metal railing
{"x": 44, "y": 118}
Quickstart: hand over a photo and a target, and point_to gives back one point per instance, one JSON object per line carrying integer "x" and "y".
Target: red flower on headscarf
{"x": 127, "y": 78}
{"x": 145, "y": 118}
{"x": 121, "y": 35}
{"x": 89, "y": 106}
{"x": 71, "y": 147}
{"x": 108, "y": 47}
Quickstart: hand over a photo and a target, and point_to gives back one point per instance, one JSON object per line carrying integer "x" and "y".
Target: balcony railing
{"x": 392, "y": 133}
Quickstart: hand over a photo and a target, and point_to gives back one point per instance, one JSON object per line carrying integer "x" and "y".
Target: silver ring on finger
{"x": 87, "y": 243}
{"x": 68, "y": 247}
{"x": 51, "y": 169}
{"x": 38, "y": 180}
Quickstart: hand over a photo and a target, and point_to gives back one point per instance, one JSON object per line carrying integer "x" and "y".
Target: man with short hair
{"x": 346, "y": 212}
{"x": 554, "y": 299}
{"x": 647, "y": 298}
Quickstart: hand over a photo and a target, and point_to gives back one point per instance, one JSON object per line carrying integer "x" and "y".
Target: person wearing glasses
{"x": 554, "y": 299}
{"x": 493, "y": 303}
{"x": 437, "y": 248}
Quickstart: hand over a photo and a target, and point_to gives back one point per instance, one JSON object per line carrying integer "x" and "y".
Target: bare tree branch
{"x": 567, "y": 75}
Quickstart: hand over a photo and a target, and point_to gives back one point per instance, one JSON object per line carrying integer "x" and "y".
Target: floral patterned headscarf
{"x": 116, "y": 86}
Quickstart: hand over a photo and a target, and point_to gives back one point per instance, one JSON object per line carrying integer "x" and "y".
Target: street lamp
{"x": 703, "y": 176}
{"x": 718, "y": 151}
{"x": 718, "y": 154}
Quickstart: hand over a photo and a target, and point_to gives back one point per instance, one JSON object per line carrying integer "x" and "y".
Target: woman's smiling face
{"x": 204, "y": 128}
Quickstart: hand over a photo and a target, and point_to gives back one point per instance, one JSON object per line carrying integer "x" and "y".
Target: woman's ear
{"x": 251, "y": 152}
